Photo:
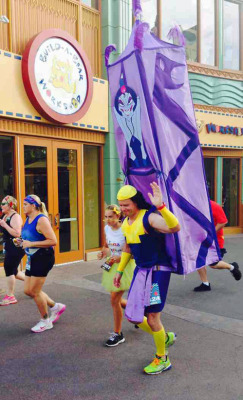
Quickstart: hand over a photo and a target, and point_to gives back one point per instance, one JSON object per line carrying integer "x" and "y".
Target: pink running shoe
{"x": 56, "y": 312}
{"x": 7, "y": 300}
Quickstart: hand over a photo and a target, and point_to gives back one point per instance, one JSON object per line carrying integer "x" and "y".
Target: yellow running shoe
{"x": 158, "y": 365}
{"x": 170, "y": 340}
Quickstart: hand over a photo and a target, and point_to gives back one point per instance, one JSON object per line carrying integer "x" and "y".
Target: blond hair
{"x": 116, "y": 209}
{"x": 41, "y": 206}
{"x": 12, "y": 202}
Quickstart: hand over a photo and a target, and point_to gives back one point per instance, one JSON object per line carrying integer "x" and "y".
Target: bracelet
{"x": 120, "y": 272}
{"x": 161, "y": 207}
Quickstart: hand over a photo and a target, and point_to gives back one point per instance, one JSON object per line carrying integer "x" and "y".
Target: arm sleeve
{"x": 125, "y": 258}
{"x": 170, "y": 219}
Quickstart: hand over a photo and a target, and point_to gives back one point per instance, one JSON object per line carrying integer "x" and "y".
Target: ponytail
{"x": 43, "y": 209}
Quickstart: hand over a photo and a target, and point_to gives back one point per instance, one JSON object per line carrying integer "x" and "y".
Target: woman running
{"x": 115, "y": 241}
{"x": 38, "y": 240}
{"x": 11, "y": 225}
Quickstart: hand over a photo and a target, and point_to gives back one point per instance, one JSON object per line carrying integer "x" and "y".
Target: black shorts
{"x": 40, "y": 263}
{"x": 222, "y": 252}
{"x": 13, "y": 256}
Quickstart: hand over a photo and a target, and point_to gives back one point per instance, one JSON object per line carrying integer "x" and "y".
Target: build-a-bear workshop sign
{"x": 57, "y": 76}
{"x": 231, "y": 130}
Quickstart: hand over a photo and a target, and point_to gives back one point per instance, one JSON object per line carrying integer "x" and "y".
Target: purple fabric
{"x": 157, "y": 140}
{"x": 109, "y": 49}
{"x": 139, "y": 33}
{"x": 139, "y": 295}
{"x": 137, "y": 9}
{"x": 177, "y": 36}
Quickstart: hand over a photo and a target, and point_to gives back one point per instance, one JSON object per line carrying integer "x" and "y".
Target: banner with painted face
{"x": 157, "y": 140}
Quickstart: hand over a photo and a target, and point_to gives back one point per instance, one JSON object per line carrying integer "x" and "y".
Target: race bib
{"x": 155, "y": 295}
{"x": 106, "y": 267}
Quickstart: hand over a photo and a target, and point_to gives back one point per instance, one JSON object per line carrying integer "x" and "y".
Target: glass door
{"x": 231, "y": 189}
{"x": 7, "y": 175}
{"x": 36, "y": 171}
{"x": 67, "y": 201}
{"x": 52, "y": 171}
{"x": 210, "y": 170}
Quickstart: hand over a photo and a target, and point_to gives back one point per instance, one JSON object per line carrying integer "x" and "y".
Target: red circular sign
{"x": 57, "y": 76}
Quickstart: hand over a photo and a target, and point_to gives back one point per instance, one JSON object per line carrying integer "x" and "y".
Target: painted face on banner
{"x": 125, "y": 102}
{"x": 126, "y": 105}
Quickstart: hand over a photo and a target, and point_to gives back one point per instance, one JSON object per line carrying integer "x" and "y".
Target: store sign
{"x": 230, "y": 130}
{"x": 57, "y": 76}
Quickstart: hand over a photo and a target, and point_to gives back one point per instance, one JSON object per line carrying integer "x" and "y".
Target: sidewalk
{"x": 71, "y": 361}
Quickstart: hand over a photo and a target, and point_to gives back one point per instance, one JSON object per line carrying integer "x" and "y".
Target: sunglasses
{"x": 4, "y": 203}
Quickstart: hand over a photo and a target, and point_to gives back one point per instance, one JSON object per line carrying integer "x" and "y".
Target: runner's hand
{"x": 100, "y": 255}
{"x": 26, "y": 244}
{"x": 114, "y": 259}
{"x": 156, "y": 197}
{"x": 117, "y": 280}
{"x": 17, "y": 241}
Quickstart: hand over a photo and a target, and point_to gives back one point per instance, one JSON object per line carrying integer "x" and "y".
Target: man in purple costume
{"x": 144, "y": 228}
{"x": 157, "y": 140}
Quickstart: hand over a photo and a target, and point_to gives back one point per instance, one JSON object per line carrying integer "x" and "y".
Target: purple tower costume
{"x": 157, "y": 140}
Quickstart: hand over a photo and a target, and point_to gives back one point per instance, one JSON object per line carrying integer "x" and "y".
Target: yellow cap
{"x": 126, "y": 192}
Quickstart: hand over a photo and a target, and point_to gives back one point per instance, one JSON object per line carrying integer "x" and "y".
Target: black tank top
{"x": 6, "y": 235}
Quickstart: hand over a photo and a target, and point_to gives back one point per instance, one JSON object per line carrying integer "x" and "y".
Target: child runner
{"x": 112, "y": 249}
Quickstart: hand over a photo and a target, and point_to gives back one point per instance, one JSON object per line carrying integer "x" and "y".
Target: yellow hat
{"x": 126, "y": 192}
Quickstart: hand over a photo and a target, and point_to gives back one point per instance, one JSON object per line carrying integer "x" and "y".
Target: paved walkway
{"x": 71, "y": 362}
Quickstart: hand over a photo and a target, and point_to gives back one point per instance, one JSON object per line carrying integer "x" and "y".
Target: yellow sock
{"x": 145, "y": 326}
{"x": 159, "y": 340}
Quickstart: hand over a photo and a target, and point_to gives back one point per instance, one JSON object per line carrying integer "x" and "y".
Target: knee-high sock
{"x": 159, "y": 340}
{"x": 145, "y": 326}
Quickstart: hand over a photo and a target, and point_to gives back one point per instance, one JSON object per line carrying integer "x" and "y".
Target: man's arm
{"x": 158, "y": 223}
{"x": 220, "y": 226}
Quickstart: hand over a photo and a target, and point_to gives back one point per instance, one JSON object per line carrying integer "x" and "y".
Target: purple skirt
{"x": 147, "y": 293}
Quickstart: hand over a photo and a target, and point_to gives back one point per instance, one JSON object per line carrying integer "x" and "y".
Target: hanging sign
{"x": 57, "y": 76}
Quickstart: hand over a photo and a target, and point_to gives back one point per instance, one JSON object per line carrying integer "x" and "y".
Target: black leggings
{"x": 40, "y": 263}
{"x": 13, "y": 256}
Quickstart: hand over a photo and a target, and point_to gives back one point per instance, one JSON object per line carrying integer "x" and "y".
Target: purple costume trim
{"x": 176, "y": 35}
{"x": 139, "y": 33}
{"x": 108, "y": 50}
{"x": 137, "y": 9}
{"x": 138, "y": 302}
{"x": 139, "y": 295}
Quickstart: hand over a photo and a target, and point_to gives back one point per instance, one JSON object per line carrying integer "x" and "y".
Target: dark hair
{"x": 140, "y": 201}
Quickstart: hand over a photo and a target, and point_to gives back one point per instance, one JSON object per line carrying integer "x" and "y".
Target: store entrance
{"x": 52, "y": 170}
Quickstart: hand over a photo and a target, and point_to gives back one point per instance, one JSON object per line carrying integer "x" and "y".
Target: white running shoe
{"x": 42, "y": 326}
{"x": 57, "y": 312}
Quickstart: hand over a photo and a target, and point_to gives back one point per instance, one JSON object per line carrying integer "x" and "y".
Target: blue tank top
{"x": 30, "y": 233}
